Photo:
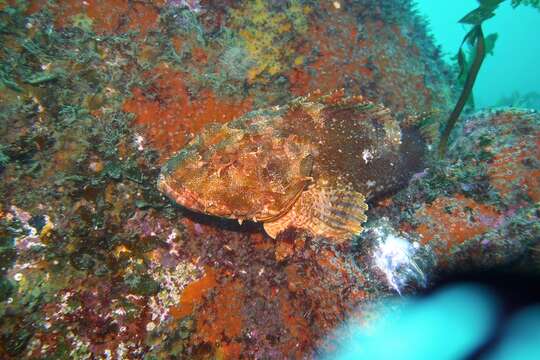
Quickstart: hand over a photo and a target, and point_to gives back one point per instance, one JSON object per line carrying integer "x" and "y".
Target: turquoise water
{"x": 514, "y": 66}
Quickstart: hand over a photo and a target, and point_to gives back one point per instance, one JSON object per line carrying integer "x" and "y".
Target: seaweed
{"x": 469, "y": 69}
{"x": 476, "y": 37}
{"x": 529, "y": 100}
{"x": 533, "y": 3}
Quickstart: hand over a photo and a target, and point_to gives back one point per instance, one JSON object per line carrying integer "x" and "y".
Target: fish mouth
{"x": 180, "y": 194}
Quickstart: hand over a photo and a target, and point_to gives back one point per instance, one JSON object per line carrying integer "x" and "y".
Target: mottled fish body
{"x": 311, "y": 164}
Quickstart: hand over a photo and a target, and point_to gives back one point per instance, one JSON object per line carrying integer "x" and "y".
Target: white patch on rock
{"x": 367, "y": 156}
{"x": 394, "y": 256}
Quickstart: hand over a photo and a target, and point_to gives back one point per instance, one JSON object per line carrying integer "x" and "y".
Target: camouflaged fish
{"x": 311, "y": 164}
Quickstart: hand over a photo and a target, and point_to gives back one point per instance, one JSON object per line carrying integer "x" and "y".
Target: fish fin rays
{"x": 336, "y": 214}
{"x": 275, "y": 227}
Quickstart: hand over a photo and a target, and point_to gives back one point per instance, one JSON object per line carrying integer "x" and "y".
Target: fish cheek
{"x": 237, "y": 189}
{"x": 273, "y": 170}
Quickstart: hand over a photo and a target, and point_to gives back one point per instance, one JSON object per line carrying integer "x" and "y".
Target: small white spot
{"x": 150, "y": 326}
{"x": 139, "y": 141}
{"x": 18, "y": 277}
{"x": 107, "y": 353}
{"x": 120, "y": 311}
{"x": 337, "y": 5}
{"x": 172, "y": 236}
{"x": 367, "y": 156}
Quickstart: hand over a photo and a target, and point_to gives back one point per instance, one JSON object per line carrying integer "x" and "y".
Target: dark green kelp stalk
{"x": 477, "y": 36}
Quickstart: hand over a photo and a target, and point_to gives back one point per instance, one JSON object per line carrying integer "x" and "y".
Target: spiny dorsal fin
{"x": 337, "y": 214}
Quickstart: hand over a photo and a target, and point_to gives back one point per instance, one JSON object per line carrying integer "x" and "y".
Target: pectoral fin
{"x": 337, "y": 214}
{"x": 290, "y": 196}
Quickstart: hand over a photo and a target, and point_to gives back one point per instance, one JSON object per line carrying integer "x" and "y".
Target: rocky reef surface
{"x": 95, "y": 96}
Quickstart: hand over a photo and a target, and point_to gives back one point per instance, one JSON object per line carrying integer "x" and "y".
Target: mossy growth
{"x": 269, "y": 33}
{"x": 142, "y": 285}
